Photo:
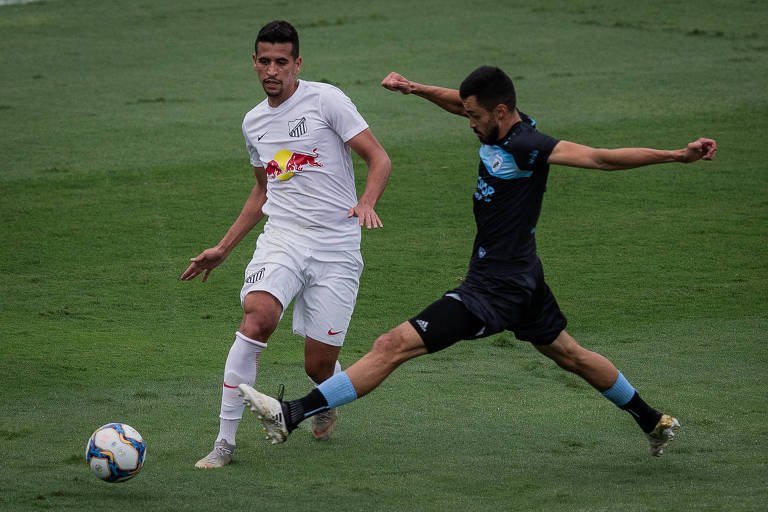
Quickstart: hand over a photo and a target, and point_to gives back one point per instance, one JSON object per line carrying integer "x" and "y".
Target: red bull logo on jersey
{"x": 286, "y": 163}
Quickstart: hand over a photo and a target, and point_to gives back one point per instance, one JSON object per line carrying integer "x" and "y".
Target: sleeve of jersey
{"x": 341, "y": 113}
{"x": 541, "y": 146}
{"x": 253, "y": 154}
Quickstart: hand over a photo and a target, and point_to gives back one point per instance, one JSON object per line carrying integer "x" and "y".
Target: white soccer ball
{"x": 115, "y": 452}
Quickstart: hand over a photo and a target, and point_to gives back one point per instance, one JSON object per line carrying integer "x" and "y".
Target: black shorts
{"x": 525, "y": 306}
{"x": 446, "y": 321}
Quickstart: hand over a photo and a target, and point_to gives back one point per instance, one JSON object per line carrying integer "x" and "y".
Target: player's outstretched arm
{"x": 447, "y": 99}
{"x": 379, "y": 165}
{"x": 249, "y": 216}
{"x": 577, "y": 155}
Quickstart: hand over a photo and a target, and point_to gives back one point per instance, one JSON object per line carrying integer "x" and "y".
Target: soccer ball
{"x": 115, "y": 452}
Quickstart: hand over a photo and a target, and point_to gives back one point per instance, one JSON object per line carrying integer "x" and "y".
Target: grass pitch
{"x": 121, "y": 157}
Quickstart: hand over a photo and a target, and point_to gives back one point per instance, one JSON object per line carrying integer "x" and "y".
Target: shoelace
{"x": 220, "y": 451}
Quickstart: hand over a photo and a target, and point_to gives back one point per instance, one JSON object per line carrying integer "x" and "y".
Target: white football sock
{"x": 241, "y": 367}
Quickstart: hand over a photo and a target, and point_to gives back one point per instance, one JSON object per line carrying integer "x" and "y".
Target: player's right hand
{"x": 396, "y": 82}
{"x": 204, "y": 263}
{"x": 701, "y": 149}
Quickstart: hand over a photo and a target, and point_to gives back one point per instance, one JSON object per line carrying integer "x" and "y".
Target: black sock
{"x": 645, "y": 415}
{"x": 297, "y": 411}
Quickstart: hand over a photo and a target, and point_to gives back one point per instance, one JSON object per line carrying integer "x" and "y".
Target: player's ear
{"x": 500, "y": 111}
{"x": 298, "y": 63}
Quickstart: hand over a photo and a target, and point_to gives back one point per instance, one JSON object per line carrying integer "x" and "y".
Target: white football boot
{"x": 219, "y": 457}
{"x": 323, "y": 424}
{"x": 662, "y": 434}
{"x": 269, "y": 411}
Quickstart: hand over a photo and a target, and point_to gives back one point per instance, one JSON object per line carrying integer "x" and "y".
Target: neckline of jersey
{"x": 287, "y": 102}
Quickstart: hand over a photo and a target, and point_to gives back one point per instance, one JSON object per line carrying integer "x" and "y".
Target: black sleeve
{"x": 532, "y": 149}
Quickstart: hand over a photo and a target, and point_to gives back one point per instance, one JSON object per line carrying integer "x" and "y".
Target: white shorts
{"x": 322, "y": 284}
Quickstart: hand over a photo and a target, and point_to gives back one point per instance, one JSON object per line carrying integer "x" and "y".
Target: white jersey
{"x": 310, "y": 180}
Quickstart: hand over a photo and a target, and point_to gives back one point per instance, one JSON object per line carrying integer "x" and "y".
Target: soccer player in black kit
{"x": 504, "y": 288}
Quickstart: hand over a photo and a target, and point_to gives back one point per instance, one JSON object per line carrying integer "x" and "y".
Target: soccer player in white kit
{"x": 299, "y": 140}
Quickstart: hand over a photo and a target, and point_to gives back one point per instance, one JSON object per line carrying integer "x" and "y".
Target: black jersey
{"x": 511, "y": 182}
{"x": 505, "y": 279}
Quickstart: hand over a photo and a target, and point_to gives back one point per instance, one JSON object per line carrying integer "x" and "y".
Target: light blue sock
{"x": 621, "y": 392}
{"x": 338, "y": 390}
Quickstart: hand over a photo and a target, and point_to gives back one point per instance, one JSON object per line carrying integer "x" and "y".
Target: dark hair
{"x": 491, "y": 86}
{"x": 278, "y": 31}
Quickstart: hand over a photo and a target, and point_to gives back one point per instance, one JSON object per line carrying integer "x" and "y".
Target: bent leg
{"x": 603, "y": 376}
{"x": 261, "y": 312}
{"x": 389, "y": 351}
{"x": 441, "y": 324}
{"x": 320, "y": 363}
{"x": 320, "y": 360}
{"x": 590, "y": 366}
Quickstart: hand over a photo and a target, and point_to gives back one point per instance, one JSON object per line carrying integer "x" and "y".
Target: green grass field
{"x": 121, "y": 157}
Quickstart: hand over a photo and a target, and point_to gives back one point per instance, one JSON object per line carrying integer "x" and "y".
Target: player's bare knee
{"x": 566, "y": 352}
{"x": 565, "y": 359}
{"x": 261, "y": 314}
{"x": 574, "y": 360}
{"x": 389, "y": 347}
{"x": 256, "y": 328}
{"x": 384, "y": 345}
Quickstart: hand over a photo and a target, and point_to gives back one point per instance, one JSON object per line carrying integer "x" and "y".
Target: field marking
{"x": 15, "y": 2}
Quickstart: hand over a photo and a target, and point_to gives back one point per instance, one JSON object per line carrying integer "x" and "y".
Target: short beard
{"x": 272, "y": 94}
{"x": 492, "y": 137}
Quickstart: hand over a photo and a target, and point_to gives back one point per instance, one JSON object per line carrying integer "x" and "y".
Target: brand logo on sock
{"x": 423, "y": 324}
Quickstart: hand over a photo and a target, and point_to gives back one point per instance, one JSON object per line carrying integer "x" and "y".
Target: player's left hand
{"x": 701, "y": 149}
{"x": 366, "y": 216}
{"x": 396, "y": 82}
